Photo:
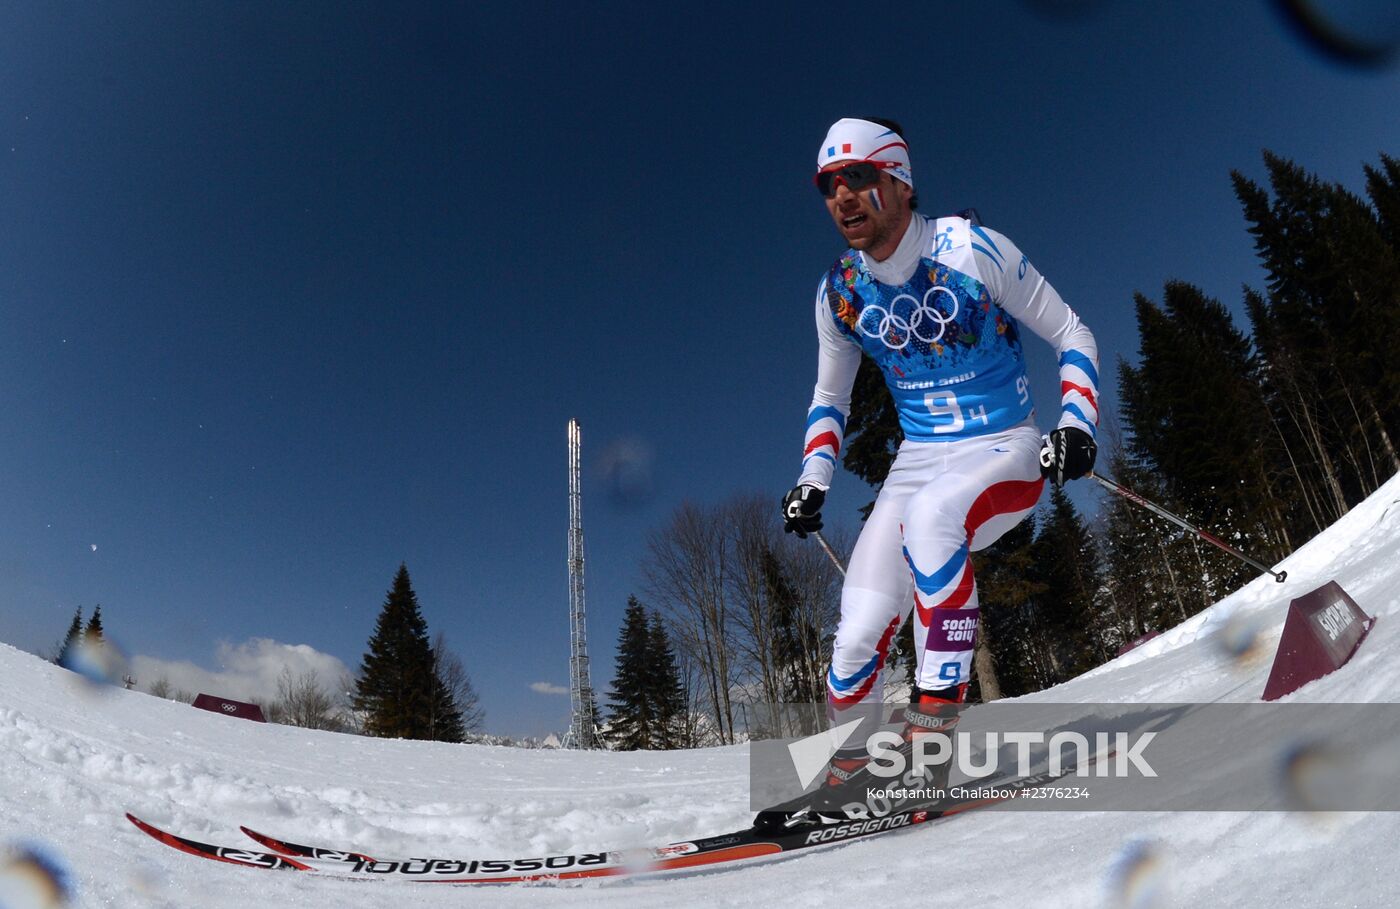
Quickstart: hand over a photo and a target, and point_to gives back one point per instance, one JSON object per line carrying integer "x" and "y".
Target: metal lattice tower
{"x": 582, "y": 733}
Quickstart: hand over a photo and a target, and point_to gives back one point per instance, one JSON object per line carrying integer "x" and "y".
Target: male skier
{"x": 939, "y": 305}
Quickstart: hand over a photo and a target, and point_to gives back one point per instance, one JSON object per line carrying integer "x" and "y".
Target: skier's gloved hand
{"x": 802, "y": 510}
{"x": 1068, "y": 455}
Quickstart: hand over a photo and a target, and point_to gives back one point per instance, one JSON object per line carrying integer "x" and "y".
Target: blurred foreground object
{"x": 1359, "y": 32}
{"x": 99, "y": 663}
{"x": 32, "y": 877}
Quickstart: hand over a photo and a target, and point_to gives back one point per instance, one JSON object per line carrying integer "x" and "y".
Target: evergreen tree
{"x": 1066, "y": 562}
{"x": 1043, "y": 577}
{"x": 398, "y": 690}
{"x": 1331, "y": 320}
{"x": 666, "y": 689}
{"x": 1143, "y": 557}
{"x": 873, "y": 433}
{"x": 798, "y": 646}
{"x": 93, "y": 633}
{"x": 1304, "y": 499}
{"x": 445, "y": 723}
{"x": 464, "y": 701}
{"x": 444, "y": 719}
{"x": 647, "y": 704}
{"x": 1008, "y": 593}
{"x": 633, "y": 717}
{"x": 1383, "y": 188}
{"x": 1198, "y": 419}
{"x": 75, "y": 630}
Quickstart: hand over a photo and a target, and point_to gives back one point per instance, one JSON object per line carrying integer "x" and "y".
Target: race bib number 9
{"x": 948, "y": 414}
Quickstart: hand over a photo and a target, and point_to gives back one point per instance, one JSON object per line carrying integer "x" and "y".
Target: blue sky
{"x": 289, "y": 295}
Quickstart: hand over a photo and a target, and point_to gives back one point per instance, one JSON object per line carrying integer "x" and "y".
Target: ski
{"x": 286, "y": 847}
{"x": 741, "y": 846}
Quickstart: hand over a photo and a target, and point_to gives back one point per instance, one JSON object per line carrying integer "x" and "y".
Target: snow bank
{"x": 75, "y": 759}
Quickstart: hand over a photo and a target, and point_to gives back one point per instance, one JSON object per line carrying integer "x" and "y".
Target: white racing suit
{"x": 941, "y": 317}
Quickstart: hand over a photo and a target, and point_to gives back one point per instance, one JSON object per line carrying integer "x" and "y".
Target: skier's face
{"x": 871, "y": 219}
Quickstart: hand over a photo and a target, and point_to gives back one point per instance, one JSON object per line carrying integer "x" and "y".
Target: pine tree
{"x": 647, "y": 703}
{"x": 449, "y": 668}
{"x": 797, "y": 647}
{"x": 1197, "y": 418}
{"x": 1066, "y": 562}
{"x": 1008, "y": 595}
{"x": 1333, "y": 324}
{"x": 75, "y": 630}
{"x": 1383, "y": 188}
{"x": 398, "y": 691}
{"x": 93, "y": 634}
{"x": 633, "y": 719}
{"x": 665, "y": 684}
{"x": 445, "y": 722}
{"x": 873, "y": 433}
{"x": 1139, "y": 571}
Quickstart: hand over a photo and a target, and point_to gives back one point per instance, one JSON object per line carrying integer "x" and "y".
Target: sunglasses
{"x": 855, "y": 176}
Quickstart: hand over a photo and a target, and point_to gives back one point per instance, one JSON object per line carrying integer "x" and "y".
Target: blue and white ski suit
{"x": 942, "y": 318}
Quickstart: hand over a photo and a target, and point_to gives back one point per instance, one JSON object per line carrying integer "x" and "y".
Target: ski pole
{"x": 831, "y": 553}
{"x": 1133, "y": 497}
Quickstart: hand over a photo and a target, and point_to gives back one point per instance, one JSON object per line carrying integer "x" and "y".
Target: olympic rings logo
{"x": 907, "y": 317}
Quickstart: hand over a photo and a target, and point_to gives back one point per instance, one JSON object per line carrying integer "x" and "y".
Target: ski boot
{"x": 827, "y": 803}
{"x": 843, "y": 793}
{"x": 930, "y": 713}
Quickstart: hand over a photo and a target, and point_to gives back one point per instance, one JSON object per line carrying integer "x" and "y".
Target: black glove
{"x": 1068, "y": 455}
{"x": 802, "y": 510}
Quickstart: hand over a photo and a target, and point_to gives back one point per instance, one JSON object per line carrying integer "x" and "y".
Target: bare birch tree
{"x": 685, "y": 573}
{"x": 751, "y": 610}
{"x": 304, "y": 702}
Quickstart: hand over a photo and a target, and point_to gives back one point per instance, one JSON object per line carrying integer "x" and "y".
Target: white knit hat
{"x": 861, "y": 140}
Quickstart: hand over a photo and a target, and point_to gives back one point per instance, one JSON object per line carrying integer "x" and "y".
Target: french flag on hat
{"x": 862, "y": 140}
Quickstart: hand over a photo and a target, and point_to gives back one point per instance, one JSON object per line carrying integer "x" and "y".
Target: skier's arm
{"x": 838, "y": 359}
{"x": 1028, "y": 298}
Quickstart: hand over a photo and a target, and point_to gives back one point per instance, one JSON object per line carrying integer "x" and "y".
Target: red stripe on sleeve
{"x": 826, "y": 438}
{"x": 1067, "y": 387}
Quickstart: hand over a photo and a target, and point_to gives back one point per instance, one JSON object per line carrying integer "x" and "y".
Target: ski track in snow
{"x": 76, "y": 758}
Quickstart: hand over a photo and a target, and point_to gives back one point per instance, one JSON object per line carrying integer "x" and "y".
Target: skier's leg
{"x": 875, "y": 599}
{"x": 983, "y": 488}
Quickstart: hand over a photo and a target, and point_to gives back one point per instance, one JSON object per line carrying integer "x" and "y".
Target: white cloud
{"x": 548, "y": 688}
{"x": 247, "y": 671}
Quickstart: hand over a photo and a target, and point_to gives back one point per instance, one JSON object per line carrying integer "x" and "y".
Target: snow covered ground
{"x": 74, "y": 760}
